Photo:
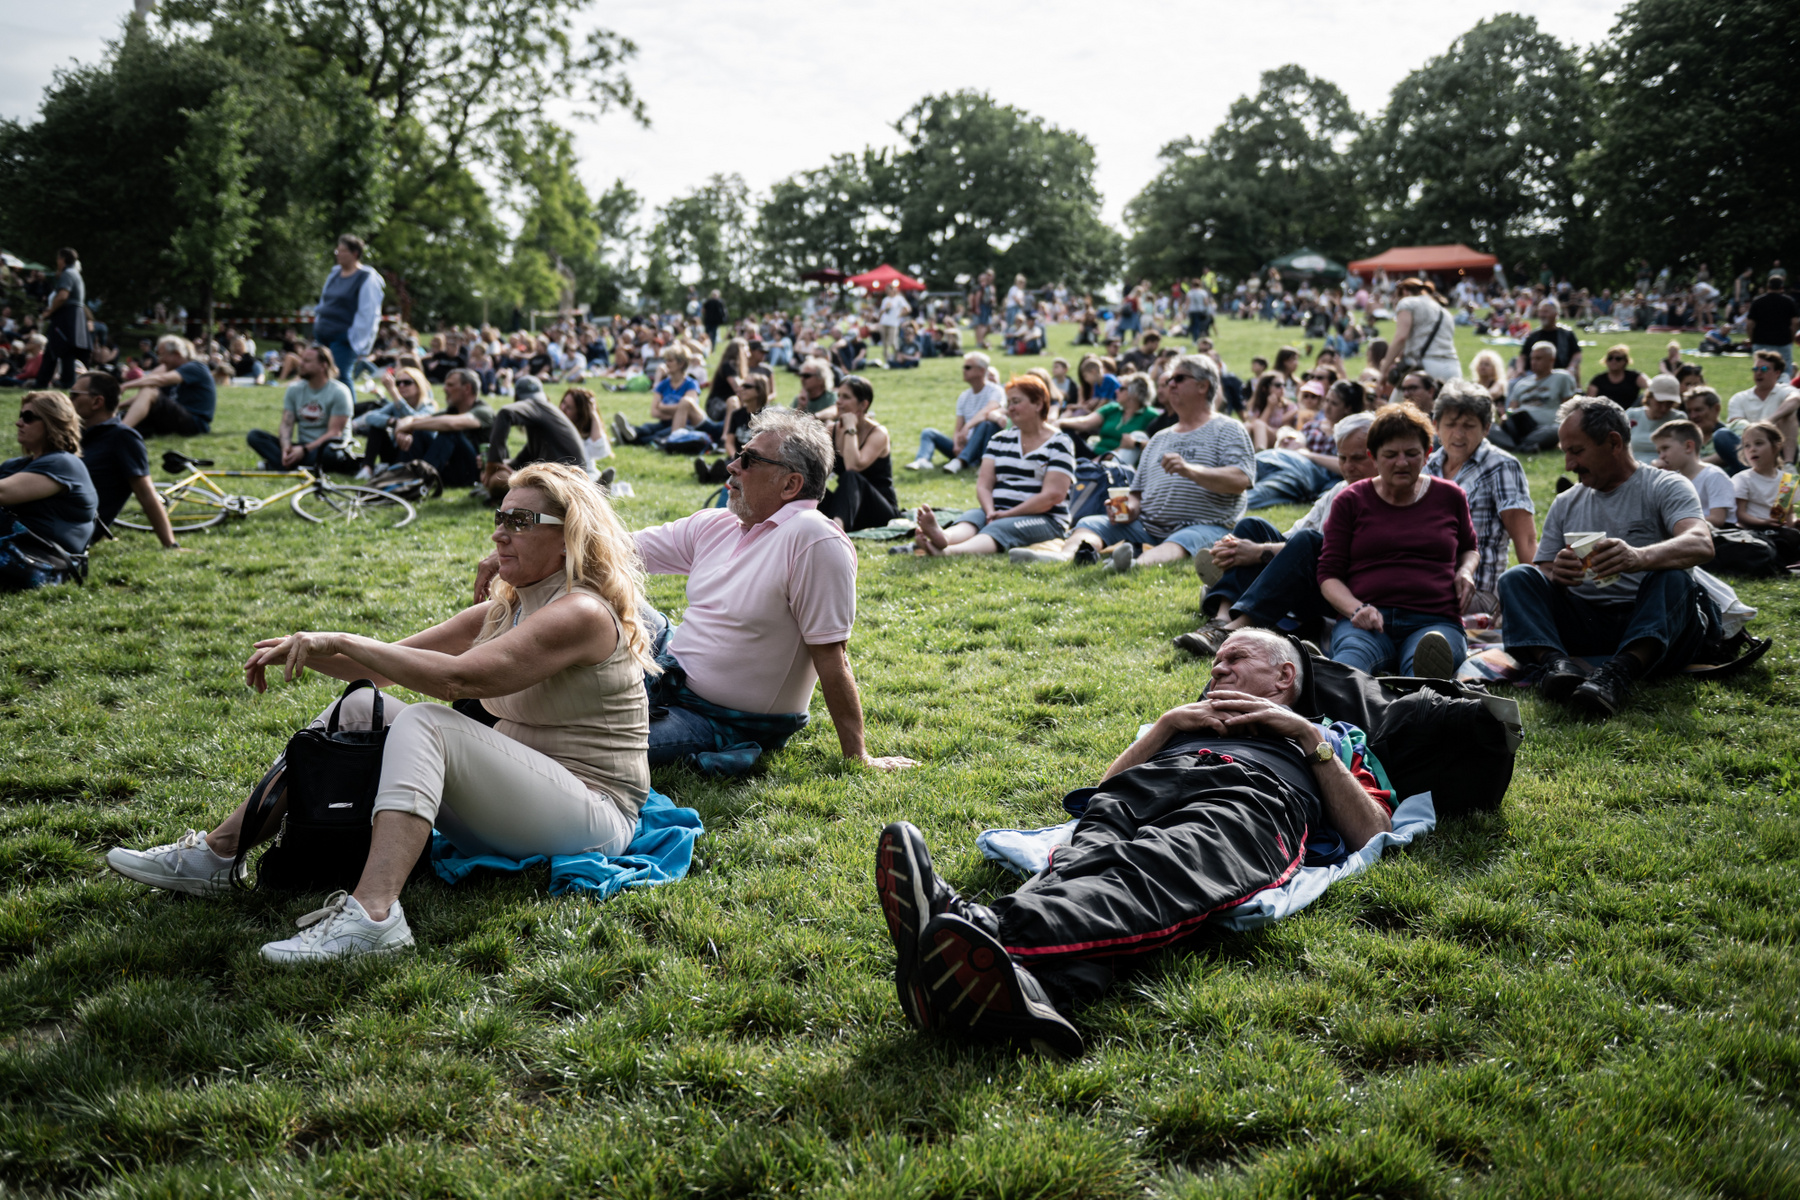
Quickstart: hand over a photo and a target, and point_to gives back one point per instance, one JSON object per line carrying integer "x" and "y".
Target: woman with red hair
{"x": 1023, "y": 488}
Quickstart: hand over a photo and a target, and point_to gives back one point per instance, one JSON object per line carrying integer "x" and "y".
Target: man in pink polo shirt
{"x": 771, "y": 598}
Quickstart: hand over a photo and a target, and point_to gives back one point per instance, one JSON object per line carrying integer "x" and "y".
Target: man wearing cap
{"x": 1662, "y": 403}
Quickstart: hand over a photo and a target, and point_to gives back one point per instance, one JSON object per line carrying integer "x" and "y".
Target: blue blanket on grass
{"x": 661, "y": 851}
{"x": 1027, "y": 851}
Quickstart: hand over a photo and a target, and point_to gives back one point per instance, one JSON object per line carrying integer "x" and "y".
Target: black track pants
{"x": 1161, "y": 847}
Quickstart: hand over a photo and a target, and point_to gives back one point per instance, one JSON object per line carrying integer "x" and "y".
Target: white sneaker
{"x": 1122, "y": 559}
{"x": 622, "y": 429}
{"x": 1025, "y": 554}
{"x": 188, "y": 865}
{"x": 341, "y": 930}
{"x": 953, "y": 466}
{"x": 363, "y": 474}
{"x": 919, "y": 464}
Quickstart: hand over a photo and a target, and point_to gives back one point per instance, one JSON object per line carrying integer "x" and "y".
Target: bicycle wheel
{"x": 327, "y": 501}
{"x": 188, "y": 508}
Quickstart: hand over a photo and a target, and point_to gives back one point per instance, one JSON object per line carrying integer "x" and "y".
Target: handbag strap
{"x": 256, "y": 810}
{"x": 1425, "y": 347}
{"x": 375, "y": 722}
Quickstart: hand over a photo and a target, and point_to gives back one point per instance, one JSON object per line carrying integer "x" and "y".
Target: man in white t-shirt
{"x": 980, "y": 414}
{"x": 1769, "y": 399}
{"x": 894, "y": 310}
{"x": 1678, "y": 445}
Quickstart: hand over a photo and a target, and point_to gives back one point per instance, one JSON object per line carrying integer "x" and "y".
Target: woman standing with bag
{"x": 553, "y": 759}
{"x": 1424, "y": 335}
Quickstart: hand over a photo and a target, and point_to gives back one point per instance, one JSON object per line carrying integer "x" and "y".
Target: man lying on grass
{"x": 1214, "y": 804}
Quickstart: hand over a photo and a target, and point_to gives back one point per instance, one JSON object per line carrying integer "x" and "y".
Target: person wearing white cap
{"x": 1662, "y": 404}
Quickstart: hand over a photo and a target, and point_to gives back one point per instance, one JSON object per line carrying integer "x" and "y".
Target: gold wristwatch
{"x": 1322, "y": 753}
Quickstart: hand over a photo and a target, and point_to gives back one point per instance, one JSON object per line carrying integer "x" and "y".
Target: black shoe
{"x": 973, "y": 988}
{"x": 911, "y": 894}
{"x": 1605, "y": 691}
{"x": 702, "y": 470}
{"x": 1086, "y": 556}
{"x": 606, "y": 479}
{"x": 1561, "y": 678}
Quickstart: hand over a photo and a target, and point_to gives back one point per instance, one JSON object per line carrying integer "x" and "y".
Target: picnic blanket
{"x": 661, "y": 851}
{"x": 1027, "y": 851}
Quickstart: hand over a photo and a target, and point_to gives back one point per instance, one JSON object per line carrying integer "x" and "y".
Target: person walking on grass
{"x": 66, "y": 318}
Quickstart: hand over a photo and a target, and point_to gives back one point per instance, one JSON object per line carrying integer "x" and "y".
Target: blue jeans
{"x": 1376, "y": 653}
{"x": 1192, "y": 538}
{"x": 679, "y": 732}
{"x": 1285, "y": 595}
{"x": 457, "y": 459}
{"x": 979, "y": 433}
{"x": 1287, "y": 477}
{"x": 345, "y": 358}
{"x": 1541, "y": 615}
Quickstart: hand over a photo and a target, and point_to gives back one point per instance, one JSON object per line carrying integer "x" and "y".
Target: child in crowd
{"x": 1765, "y": 501}
{"x": 1678, "y": 445}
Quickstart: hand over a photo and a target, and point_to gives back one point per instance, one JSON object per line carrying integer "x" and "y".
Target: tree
{"x": 93, "y": 169}
{"x": 558, "y": 238}
{"x": 210, "y": 171}
{"x": 1692, "y": 159}
{"x": 823, "y": 218}
{"x": 1274, "y": 176}
{"x": 982, "y": 185}
{"x": 1478, "y": 145}
{"x": 706, "y": 238}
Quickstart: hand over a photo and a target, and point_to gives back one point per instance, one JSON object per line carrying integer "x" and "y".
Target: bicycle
{"x": 196, "y": 501}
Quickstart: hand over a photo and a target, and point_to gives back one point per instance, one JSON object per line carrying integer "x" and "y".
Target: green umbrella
{"x": 1306, "y": 263}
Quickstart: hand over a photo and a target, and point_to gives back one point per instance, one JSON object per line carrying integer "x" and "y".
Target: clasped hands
{"x": 1227, "y": 712}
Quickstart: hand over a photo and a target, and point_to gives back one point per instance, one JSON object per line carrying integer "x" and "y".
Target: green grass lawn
{"x": 1591, "y": 993}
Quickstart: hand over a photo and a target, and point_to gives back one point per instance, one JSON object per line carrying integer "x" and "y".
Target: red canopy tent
{"x": 878, "y": 280}
{"x": 1427, "y": 260}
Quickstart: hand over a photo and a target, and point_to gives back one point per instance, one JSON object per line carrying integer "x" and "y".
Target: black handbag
{"x": 329, "y": 777}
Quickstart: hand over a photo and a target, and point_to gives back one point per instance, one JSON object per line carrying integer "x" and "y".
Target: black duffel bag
{"x": 329, "y": 777}
{"x": 1452, "y": 739}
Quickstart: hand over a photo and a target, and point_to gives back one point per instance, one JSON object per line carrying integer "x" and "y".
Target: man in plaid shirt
{"x": 1499, "y": 499}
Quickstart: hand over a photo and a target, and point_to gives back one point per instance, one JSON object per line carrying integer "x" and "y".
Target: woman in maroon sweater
{"x": 1399, "y": 558}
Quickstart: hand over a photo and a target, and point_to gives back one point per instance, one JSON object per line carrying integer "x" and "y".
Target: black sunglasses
{"x": 27, "y": 417}
{"x": 747, "y": 458}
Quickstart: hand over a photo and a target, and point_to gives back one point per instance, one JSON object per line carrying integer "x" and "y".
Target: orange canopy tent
{"x": 1422, "y": 260}
{"x": 878, "y": 280}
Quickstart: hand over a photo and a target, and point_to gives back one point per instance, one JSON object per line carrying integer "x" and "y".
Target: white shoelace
{"x": 193, "y": 839}
{"x": 316, "y": 925}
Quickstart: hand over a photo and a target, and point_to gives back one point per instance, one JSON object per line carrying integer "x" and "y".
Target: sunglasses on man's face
{"x": 1761, "y": 370}
{"x": 747, "y": 458}
{"x": 518, "y": 520}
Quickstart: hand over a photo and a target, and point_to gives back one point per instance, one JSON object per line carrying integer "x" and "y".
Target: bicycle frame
{"x": 201, "y": 478}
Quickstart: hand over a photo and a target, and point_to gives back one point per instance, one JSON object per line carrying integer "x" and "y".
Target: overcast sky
{"x": 769, "y": 87}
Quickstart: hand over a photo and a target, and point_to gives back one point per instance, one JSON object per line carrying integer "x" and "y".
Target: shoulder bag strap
{"x": 263, "y": 798}
{"x": 331, "y": 725}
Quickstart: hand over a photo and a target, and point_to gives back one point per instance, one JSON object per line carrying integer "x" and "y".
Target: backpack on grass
{"x": 415, "y": 480}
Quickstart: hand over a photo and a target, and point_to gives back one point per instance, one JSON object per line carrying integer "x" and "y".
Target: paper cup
{"x": 1583, "y": 545}
{"x": 1118, "y": 504}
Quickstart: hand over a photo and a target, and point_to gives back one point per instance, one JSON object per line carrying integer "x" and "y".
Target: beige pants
{"x": 485, "y": 792}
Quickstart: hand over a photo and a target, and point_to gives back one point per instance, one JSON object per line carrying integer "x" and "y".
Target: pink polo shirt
{"x": 757, "y": 598}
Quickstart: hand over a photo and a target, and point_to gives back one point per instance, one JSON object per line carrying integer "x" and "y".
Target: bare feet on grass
{"x": 930, "y": 536}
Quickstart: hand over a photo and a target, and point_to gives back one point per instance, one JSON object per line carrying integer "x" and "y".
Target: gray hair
{"x": 1141, "y": 386}
{"x": 466, "y": 377}
{"x": 1205, "y": 370}
{"x": 1461, "y": 397}
{"x": 805, "y": 446}
{"x": 978, "y": 356}
{"x": 1551, "y": 301}
{"x": 176, "y": 343}
{"x": 1352, "y": 424}
{"x": 1599, "y": 417}
{"x": 1276, "y": 651}
{"x": 823, "y": 368}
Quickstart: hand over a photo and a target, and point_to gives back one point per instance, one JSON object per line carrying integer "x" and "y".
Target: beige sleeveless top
{"x": 594, "y": 720}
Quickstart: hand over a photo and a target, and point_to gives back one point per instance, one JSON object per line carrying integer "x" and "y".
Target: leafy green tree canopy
{"x": 1479, "y": 145}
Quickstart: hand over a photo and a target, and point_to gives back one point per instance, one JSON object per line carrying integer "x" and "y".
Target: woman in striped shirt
{"x": 1023, "y": 489}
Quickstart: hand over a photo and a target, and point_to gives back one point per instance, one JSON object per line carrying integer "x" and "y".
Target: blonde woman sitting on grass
{"x": 545, "y": 751}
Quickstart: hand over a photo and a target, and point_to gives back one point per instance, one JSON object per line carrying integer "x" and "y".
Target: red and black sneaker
{"x": 972, "y": 987}
{"x": 911, "y": 894}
